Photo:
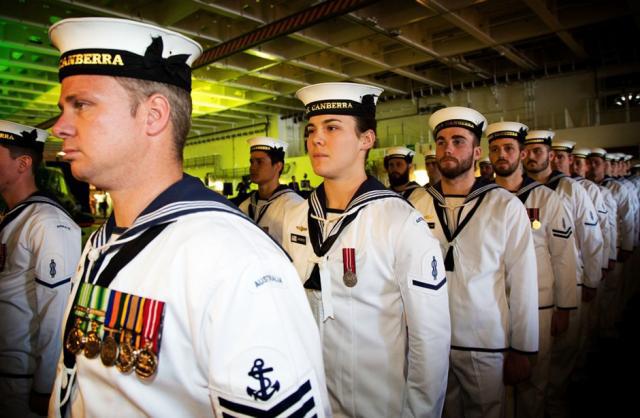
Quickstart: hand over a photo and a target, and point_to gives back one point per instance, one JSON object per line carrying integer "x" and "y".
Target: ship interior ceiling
{"x": 259, "y": 52}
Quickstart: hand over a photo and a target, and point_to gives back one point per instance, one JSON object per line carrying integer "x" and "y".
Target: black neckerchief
{"x": 37, "y": 197}
{"x": 370, "y": 190}
{"x": 554, "y": 180}
{"x": 478, "y": 191}
{"x": 528, "y": 184}
{"x": 253, "y": 202}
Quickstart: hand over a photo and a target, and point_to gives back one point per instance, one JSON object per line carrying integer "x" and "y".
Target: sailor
{"x": 398, "y": 161}
{"x": 589, "y": 247}
{"x": 267, "y": 205}
{"x": 431, "y": 165}
{"x": 373, "y": 271}
{"x": 486, "y": 169}
{"x": 39, "y": 250}
{"x": 555, "y": 256}
{"x": 170, "y": 315}
{"x": 493, "y": 296}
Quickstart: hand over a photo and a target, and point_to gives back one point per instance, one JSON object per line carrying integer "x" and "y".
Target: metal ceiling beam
{"x": 472, "y": 29}
{"x": 551, "y": 20}
{"x": 282, "y": 27}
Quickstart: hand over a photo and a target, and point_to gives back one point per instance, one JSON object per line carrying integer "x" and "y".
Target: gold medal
{"x": 75, "y": 339}
{"x": 147, "y": 362}
{"x": 536, "y": 224}
{"x": 109, "y": 350}
{"x": 126, "y": 356}
{"x": 349, "y": 278}
{"x": 92, "y": 343}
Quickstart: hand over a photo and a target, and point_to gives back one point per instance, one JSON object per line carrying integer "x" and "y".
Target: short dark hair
{"x": 36, "y": 156}
{"x": 179, "y": 99}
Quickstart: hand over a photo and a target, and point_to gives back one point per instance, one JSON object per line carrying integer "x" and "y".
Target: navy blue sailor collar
{"x": 479, "y": 188}
{"x": 528, "y": 184}
{"x": 184, "y": 197}
{"x": 554, "y": 179}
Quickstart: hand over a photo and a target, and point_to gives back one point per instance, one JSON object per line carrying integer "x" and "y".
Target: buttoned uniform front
{"x": 553, "y": 238}
{"x": 222, "y": 316}
{"x": 493, "y": 294}
{"x": 269, "y": 213}
{"x": 386, "y": 339}
{"x": 40, "y": 247}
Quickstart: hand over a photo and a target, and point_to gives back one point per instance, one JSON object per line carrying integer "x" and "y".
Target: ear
{"x": 552, "y": 155}
{"x": 24, "y": 163}
{"x": 158, "y": 114}
{"x": 523, "y": 154}
{"x": 477, "y": 152}
{"x": 368, "y": 139}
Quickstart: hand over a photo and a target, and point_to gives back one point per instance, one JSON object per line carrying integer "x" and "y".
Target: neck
{"x": 340, "y": 191}
{"x": 400, "y": 188}
{"x": 460, "y": 185}
{"x": 129, "y": 202}
{"x": 512, "y": 182}
{"x": 265, "y": 190}
{"x": 542, "y": 176}
{"x": 19, "y": 193}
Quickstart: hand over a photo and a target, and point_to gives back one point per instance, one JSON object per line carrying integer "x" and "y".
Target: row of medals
{"x": 124, "y": 356}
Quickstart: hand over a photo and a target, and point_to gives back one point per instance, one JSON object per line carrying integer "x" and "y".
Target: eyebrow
{"x": 325, "y": 122}
{"x": 442, "y": 138}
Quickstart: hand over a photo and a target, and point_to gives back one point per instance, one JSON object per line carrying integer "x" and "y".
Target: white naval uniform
{"x": 635, "y": 205}
{"x": 269, "y": 213}
{"x": 493, "y": 294}
{"x": 553, "y": 238}
{"x": 413, "y": 192}
{"x": 40, "y": 247}
{"x": 232, "y": 300}
{"x": 593, "y": 190}
{"x": 385, "y": 340}
{"x": 625, "y": 221}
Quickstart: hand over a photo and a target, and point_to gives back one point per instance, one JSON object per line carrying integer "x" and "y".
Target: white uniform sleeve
{"x": 561, "y": 241}
{"x": 522, "y": 279}
{"x": 421, "y": 275}
{"x": 626, "y": 222}
{"x": 588, "y": 237}
{"x": 55, "y": 243}
{"x": 603, "y": 220}
{"x": 262, "y": 345}
{"x": 612, "y": 215}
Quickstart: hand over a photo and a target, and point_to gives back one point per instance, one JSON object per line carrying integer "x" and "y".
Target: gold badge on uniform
{"x": 534, "y": 218}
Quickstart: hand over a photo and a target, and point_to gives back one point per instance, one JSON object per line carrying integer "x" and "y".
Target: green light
{"x": 54, "y": 19}
{"x": 35, "y": 39}
{"x": 16, "y": 55}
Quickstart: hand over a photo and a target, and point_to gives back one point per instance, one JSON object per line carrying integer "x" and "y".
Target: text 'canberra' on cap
{"x": 123, "y": 48}
{"x": 18, "y": 135}
{"x": 539, "y": 137}
{"x": 511, "y": 130}
{"x": 339, "y": 99}
{"x": 459, "y": 117}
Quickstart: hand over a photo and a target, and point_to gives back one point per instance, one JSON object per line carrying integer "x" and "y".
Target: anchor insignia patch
{"x": 267, "y": 389}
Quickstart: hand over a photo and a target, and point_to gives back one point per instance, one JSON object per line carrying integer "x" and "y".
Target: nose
{"x": 63, "y": 128}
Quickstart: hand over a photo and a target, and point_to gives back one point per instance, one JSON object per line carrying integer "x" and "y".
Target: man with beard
{"x": 486, "y": 169}
{"x": 555, "y": 256}
{"x": 589, "y": 247}
{"x": 398, "y": 162}
{"x": 267, "y": 205}
{"x": 491, "y": 266}
{"x": 431, "y": 165}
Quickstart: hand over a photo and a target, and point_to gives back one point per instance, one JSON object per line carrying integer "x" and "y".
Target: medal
{"x": 92, "y": 342}
{"x": 126, "y": 356}
{"x": 146, "y": 362}
{"x": 349, "y": 267}
{"x": 75, "y": 339}
{"x": 109, "y": 350}
{"x": 534, "y": 217}
{"x": 536, "y": 224}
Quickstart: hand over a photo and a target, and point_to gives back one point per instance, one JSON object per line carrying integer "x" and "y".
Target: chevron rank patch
{"x": 432, "y": 278}
{"x": 565, "y": 232}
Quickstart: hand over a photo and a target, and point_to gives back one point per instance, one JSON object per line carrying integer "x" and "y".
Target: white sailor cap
{"x": 430, "y": 155}
{"x": 581, "y": 152}
{"x": 598, "y": 152}
{"x": 628, "y": 157}
{"x": 484, "y": 160}
{"x": 513, "y": 130}
{"x": 539, "y": 137}
{"x": 620, "y": 156}
{"x": 399, "y": 152}
{"x": 272, "y": 146}
{"x": 457, "y": 116}
{"x": 558, "y": 145}
{"x": 124, "y": 48}
{"x": 22, "y": 135}
{"x": 339, "y": 99}
{"x": 610, "y": 156}
{"x": 636, "y": 165}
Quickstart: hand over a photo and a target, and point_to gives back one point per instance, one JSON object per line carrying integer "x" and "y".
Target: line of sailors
{"x": 583, "y": 231}
{"x": 382, "y": 307}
